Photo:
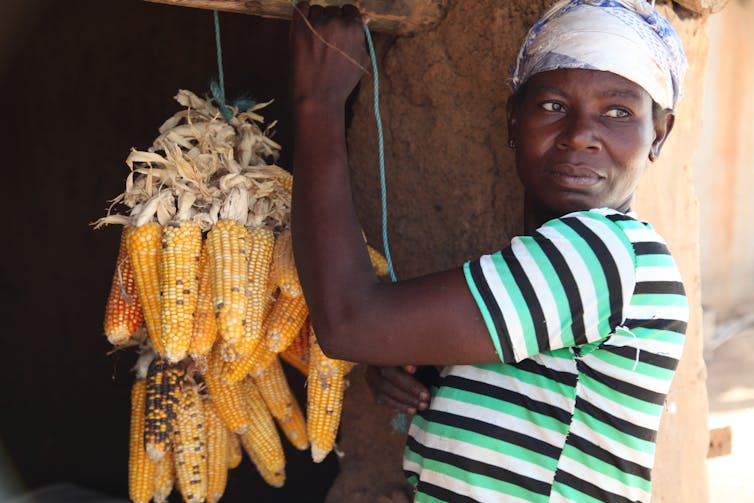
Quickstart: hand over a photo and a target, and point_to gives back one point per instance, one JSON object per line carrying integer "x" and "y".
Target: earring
{"x": 652, "y": 157}
{"x": 512, "y": 143}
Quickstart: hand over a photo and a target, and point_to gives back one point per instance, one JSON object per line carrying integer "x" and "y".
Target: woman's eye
{"x": 553, "y": 106}
{"x": 618, "y": 113}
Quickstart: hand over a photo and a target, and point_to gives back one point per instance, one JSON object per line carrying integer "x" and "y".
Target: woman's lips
{"x": 573, "y": 177}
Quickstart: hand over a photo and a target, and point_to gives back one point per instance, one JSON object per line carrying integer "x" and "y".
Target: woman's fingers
{"x": 351, "y": 12}
{"x": 396, "y": 405}
{"x": 402, "y": 379}
{"x": 316, "y": 13}
{"x": 331, "y": 12}
{"x": 397, "y": 389}
{"x": 385, "y": 393}
{"x": 329, "y": 53}
{"x": 301, "y": 9}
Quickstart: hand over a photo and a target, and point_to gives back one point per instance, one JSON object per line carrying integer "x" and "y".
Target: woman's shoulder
{"x": 600, "y": 220}
{"x": 604, "y": 232}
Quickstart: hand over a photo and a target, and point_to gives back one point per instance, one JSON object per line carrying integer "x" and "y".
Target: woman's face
{"x": 584, "y": 138}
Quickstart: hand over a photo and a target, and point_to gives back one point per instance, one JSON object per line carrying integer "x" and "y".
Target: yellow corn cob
{"x": 229, "y": 250}
{"x": 286, "y": 319}
{"x": 261, "y": 441}
{"x": 325, "y": 388}
{"x": 284, "y": 272}
{"x": 123, "y": 314}
{"x": 234, "y": 455}
{"x": 163, "y": 392}
{"x": 297, "y": 352}
{"x": 179, "y": 272}
{"x": 164, "y": 478}
{"x": 273, "y": 386}
{"x": 379, "y": 263}
{"x": 227, "y": 397}
{"x": 217, "y": 453}
{"x": 234, "y": 372}
{"x": 252, "y": 364}
{"x": 140, "y": 467}
{"x": 294, "y": 427}
{"x": 262, "y": 359}
{"x": 190, "y": 447}
{"x": 286, "y": 181}
{"x": 262, "y": 241}
{"x": 205, "y": 328}
{"x": 144, "y": 249}
{"x": 275, "y": 479}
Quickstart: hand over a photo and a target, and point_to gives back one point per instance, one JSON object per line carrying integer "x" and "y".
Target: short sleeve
{"x": 565, "y": 285}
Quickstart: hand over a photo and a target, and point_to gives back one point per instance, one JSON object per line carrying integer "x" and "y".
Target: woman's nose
{"x": 579, "y": 133}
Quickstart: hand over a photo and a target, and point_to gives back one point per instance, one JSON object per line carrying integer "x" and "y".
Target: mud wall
{"x": 453, "y": 194}
{"x": 724, "y": 168}
{"x": 666, "y": 198}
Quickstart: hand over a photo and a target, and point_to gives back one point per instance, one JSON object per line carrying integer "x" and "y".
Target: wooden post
{"x": 388, "y": 16}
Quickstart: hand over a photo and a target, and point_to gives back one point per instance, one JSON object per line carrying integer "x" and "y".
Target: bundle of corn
{"x": 177, "y": 438}
{"x": 203, "y": 176}
{"x": 205, "y": 284}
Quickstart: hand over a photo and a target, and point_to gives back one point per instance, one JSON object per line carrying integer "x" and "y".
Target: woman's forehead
{"x": 597, "y": 82}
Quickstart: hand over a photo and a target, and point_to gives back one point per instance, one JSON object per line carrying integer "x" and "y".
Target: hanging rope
{"x": 217, "y": 88}
{"x": 380, "y": 151}
{"x": 399, "y": 422}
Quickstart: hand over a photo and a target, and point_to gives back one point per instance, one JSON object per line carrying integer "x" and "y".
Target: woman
{"x": 558, "y": 351}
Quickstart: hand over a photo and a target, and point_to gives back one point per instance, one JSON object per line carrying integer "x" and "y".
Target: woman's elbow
{"x": 336, "y": 341}
{"x": 341, "y": 327}
{"x": 333, "y": 341}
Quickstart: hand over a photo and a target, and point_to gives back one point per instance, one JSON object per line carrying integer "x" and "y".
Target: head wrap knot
{"x": 625, "y": 37}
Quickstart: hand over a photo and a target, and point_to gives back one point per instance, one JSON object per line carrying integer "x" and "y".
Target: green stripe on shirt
{"x": 556, "y": 287}
{"x": 483, "y": 309}
{"x": 526, "y": 324}
{"x": 596, "y": 275}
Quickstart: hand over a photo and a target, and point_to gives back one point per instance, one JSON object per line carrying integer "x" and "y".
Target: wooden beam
{"x": 720, "y": 442}
{"x": 388, "y": 16}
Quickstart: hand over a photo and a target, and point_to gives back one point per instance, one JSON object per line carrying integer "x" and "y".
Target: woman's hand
{"x": 328, "y": 52}
{"x": 397, "y": 388}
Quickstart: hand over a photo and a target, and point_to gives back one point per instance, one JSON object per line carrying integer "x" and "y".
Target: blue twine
{"x": 399, "y": 422}
{"x": 218, "y": 89}
{"x": 381, "y": 152}
{"x": 380, "y": 149}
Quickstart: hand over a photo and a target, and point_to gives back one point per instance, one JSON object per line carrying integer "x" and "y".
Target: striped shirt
{"x": 588, "y": 315}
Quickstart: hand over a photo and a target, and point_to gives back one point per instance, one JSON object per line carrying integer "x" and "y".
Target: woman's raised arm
{"x": 428, "y": 320}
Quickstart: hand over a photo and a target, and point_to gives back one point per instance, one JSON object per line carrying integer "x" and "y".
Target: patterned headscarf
{"x": 625, "y": 37}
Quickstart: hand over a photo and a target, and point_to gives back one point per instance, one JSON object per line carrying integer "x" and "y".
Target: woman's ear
{"x": 663, "y": 123}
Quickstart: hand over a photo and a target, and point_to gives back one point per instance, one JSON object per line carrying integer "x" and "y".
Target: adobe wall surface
{"x": 724, "y": 172}
{"x": 667, "y": 199}
{"x": 453, "y": 194}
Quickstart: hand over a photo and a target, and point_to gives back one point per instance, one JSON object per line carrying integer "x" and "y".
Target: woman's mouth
{"x": 571, "y": 176}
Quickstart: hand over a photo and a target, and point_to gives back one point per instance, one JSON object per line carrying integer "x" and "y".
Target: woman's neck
{"x": 536, "y": 215}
